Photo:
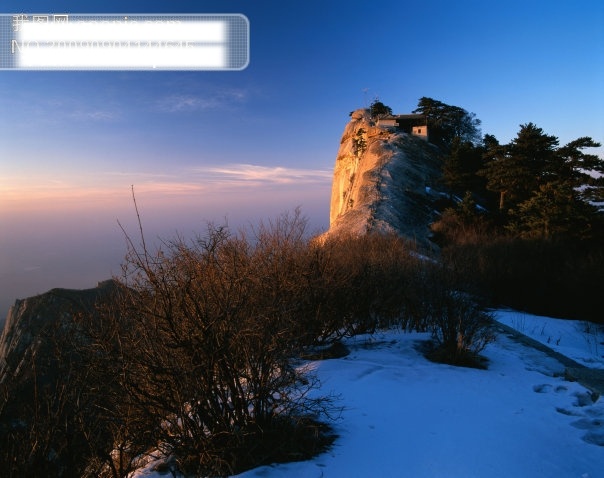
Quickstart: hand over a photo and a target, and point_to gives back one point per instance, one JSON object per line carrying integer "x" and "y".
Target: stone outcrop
{"x": 34, "y": 323}
{"x": 382, "y": 180}
{"x": 51, "y": 398}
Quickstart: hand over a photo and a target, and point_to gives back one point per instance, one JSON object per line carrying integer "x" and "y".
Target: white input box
{"x": 128, "y": 42}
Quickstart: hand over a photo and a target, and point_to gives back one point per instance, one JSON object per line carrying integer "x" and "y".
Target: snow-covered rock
{"x": 381, "y": 181}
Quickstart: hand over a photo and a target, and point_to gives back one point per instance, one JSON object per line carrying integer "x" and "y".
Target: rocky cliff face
{"x": 33, "y": 324}
{"x": 50, "y": 398}
{"x": 382, "y": 178}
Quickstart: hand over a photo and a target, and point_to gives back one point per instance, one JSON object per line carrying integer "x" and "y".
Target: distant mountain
{"x": 383, "y": 178}
{"x": 49, "y": 400}
{"x": 32, "y": 325}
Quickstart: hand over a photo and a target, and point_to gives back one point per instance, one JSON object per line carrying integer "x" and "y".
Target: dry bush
{"x": 383, "y": 282}
{"x": 378, "y": 283}
{"x": 439, "y": 302}
{"x": 193, "y": 356}
{"x": 454, "y": 227}
{"x": 460, "y": 327}
{"x": 208, "y": 331}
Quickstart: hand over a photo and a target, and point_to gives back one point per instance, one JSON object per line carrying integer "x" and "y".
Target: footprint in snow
{"x": 584, "y": 406}
{"x": 595, "y": 412}
{"x": 369, "y": 371}
{"x": 589, "y": 424}
{"x": 543, "y": 388}
{"x": 584, "y": 399}
{"x": 595, "y": 430}
{"x": 570, "y": 413}
{"x": 595, "y": 438}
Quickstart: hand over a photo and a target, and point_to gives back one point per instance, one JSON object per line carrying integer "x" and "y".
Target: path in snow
{"x": 580, "y": 340}
{"x": 592, "y": 378}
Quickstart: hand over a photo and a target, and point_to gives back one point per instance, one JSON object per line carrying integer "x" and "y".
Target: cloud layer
{"x": 215, "y": 100}
{"x": 254, "y": 175}
{"x": 230, "y": 178}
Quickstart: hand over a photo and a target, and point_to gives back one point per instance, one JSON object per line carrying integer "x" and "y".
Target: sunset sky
{"x": 246, "y": 145}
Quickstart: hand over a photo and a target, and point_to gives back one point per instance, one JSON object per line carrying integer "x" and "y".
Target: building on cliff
{"x": 414, "y": 124}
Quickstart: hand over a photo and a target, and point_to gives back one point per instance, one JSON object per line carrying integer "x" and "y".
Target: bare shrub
{"x": 461, "y": 226}
{"x": 209, "y": 329}
{"x": 192, "y": 358}
{"x": 459, "y": 324}
{"x": 378, "y": 282}
{"x": 385, "y": 283}
{"x": 461, "y": 328}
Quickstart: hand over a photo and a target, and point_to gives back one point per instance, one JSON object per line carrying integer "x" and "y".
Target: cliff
{"x": 381, "y": 182}
{"x": 37, "y": 324}
{"x": 51, "y": 397}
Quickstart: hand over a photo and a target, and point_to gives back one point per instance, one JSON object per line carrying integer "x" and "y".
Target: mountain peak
{"x": 381, "y": 182}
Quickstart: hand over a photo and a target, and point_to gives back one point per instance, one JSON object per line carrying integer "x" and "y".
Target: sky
{"x": 241, "y": 146}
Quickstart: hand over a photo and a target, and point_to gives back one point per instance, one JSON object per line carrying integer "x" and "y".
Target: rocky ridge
{"x": 382, "y": 181}
{"x": 33, "y": 324}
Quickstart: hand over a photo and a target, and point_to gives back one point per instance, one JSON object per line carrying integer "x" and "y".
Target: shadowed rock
{"x": 32, "y": 325}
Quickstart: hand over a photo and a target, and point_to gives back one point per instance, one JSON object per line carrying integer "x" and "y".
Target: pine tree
{"x": 554, "y": 211}
{"x": 545, "y": 190}
{"x": 496, "y": 170}
{"x": 516, "y": 170}
{"x": 379, "y": 109}
{"x": 447, "y": 122}
{"x": 580, "y": 170}
{"x": 460, "y": 167}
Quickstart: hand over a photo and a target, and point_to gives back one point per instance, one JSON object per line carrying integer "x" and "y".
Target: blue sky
{"x": 249, "y": 144}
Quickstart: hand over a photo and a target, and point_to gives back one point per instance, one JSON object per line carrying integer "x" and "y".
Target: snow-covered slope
{"x": 407, "y": 417}
{"x": 381, "y": 181}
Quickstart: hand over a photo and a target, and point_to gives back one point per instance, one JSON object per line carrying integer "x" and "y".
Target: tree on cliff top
{"x": 448, "y": 122}
{"x": 379, "y": 109}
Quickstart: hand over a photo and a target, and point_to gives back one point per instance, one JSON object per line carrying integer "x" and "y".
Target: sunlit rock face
{"x": 382, "y": 181}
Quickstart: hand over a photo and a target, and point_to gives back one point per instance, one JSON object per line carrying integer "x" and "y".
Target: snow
{"x": 581, "y": 341}
{"x": 405, "y": 416}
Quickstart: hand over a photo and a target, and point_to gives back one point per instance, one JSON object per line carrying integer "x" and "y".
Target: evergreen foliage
{"x": 379, "y": 110}
{"x": 460, "y": 168}
{"x": 535, "y": 243}
{"x": 446, "y": 122}
{"x": 360, "y": 143}
{"x": 544, "y": 190}
{"x": 518, "y": 169}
